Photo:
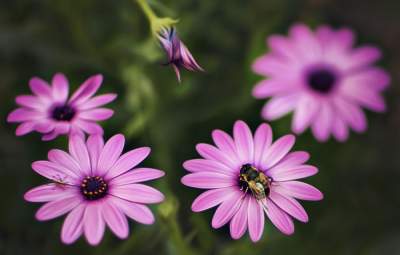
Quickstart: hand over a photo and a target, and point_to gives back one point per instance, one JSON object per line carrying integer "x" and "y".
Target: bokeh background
{"x": 360, "y": 178}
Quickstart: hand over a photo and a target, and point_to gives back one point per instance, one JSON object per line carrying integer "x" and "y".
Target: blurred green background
{"x": 360, "y": 178}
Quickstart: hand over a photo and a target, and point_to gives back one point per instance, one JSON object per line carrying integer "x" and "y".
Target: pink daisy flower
{"x": 248, "y": 176}
{"x": 50, "y": 112}
{"x": 322, "y": 79}
{"x": 96, "y": 186}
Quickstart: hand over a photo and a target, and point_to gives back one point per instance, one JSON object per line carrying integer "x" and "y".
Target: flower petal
{"x": 211, "y": 198}
{"x": 289, "y": 205}
{"x": 137, "y": 175}
{"x": 225, "y": 143}
{"x": 57, "y": 208}
{"x": 210, "y": 152}
{"x": 78, "y": 150}
{"x": 227, "y": 209}
{"x": 255, "y": 220}
{"x": 208, "y": 180}
{"x": 279, "y": 106}
{"x": 49, "y": 192}
{"x": 54, "y": 172}
{"x": 277, "y": 151}
{"x": 97, "y": 114}
{"x": 110, "y": 154}
{"x": 138, "y": 193}
{"x": 278, "y": 217}
{"x": 304, "y": 114}
{"x": 98, "y": 101}
{"x": 86, "y": 90}
{"x": 238, "y": 224}
{"x": 291, "y": 173}
{"x": 72, "y": 227}
{"x": 60, "y": 88}
{"x": 128, "y": 161}
{"x": 24, "y": 114}
{"x": 137, "y": 212}
{"x": 94, "y": 224}
{"x": 244, "y": 141}
{"x": 262, "y": 142}
{"x": 40, "y": 87}
{"x": 65, "y": 160}
{"x": 115, "y": 219}
{"x": 299, "y": 190}
{"x": 95, "y": 144}
{"x": 207, "y": 165}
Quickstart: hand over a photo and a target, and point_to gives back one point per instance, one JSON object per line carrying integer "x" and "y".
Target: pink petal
{"x": 94, "y": 224}
{"x": 55, "y": 172}
{"x": 110, "y": 154}
{"x": 279, "y": 106}
{"x": 138, "y": 193}
{"x": 128, "y": 161}
{"x": 86, "y": 90}
{"x": 352, "y": 114}
{"x": 57, "y": 208}
{"x": 238, "y": 223}
{"x": 60, "y": 87}
{"x": 323, "y": 122}
{"x": 282, "y": 46}
{"x": 305, "y": 42}
{"x": 372, "y": 77}
{"x": 304, "y": 114}
{"x": 291, "y": 173}
{"x": 72, "y": 227}
{"x": 95, "y": 144}
{"x": 115, "y": 219}
{"x": 255, "y": 220}
{"x": 208, "y": 180}
{"x": 98, "y": 101}
{"x": 97, "y": 114}
{"x": 244, "y": 141}
{"x": 277, "y": 151}
{"x": 210, "y": 152}
{"x": 289, "y": 205}
{"x": 30, "y": 101}
{"x": 137, "y": 212}
{"x": 40, "y": 87}
{"x": 49, "y": 192}
{"x": 225, "y": 143}
{"x": 299, "y": 190}
{"x": 211, "y": 198}
{"x": 78, "y": 150}
{"x": 227, "y": 209}
{"x": 364, "y": 95}
{"x": 278, "y": 217}
{"x": 339, "y": 129}
{"x": 25, "y": 128}
{"x": 270, "y": 65}
{"x": 137, "y": 175}
{"x": 262, "y": 142}
{"x": 207, "y": 165}
{"x": 89, "y": 127}
{"x": 66, "y": 161}
{"x": 363, "y": 56}
{"x": 294, "y": 159}
{"x": 24, "y": 114}
{"x": 268, "y": 88}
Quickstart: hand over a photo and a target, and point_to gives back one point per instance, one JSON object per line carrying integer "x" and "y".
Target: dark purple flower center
{"x": 253, "y": 181}
{"x": 93, "y": 188}
{"x": 321, "y": 80}
{"x": 63, "y": 113}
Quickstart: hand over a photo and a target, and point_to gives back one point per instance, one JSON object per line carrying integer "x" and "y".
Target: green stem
{"x": 147, "y": 10}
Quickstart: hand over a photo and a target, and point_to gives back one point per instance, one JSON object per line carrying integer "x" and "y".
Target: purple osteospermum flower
{"x": 249, "y": 176}
{"x": 322, "y": 79}
{"x": 50, "y": 112}
{"x": 178, "y": 54}
{"x": 95, "y": 185}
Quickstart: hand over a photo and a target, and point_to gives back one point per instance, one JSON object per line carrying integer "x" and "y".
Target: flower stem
{"x": 147, "y": 10}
